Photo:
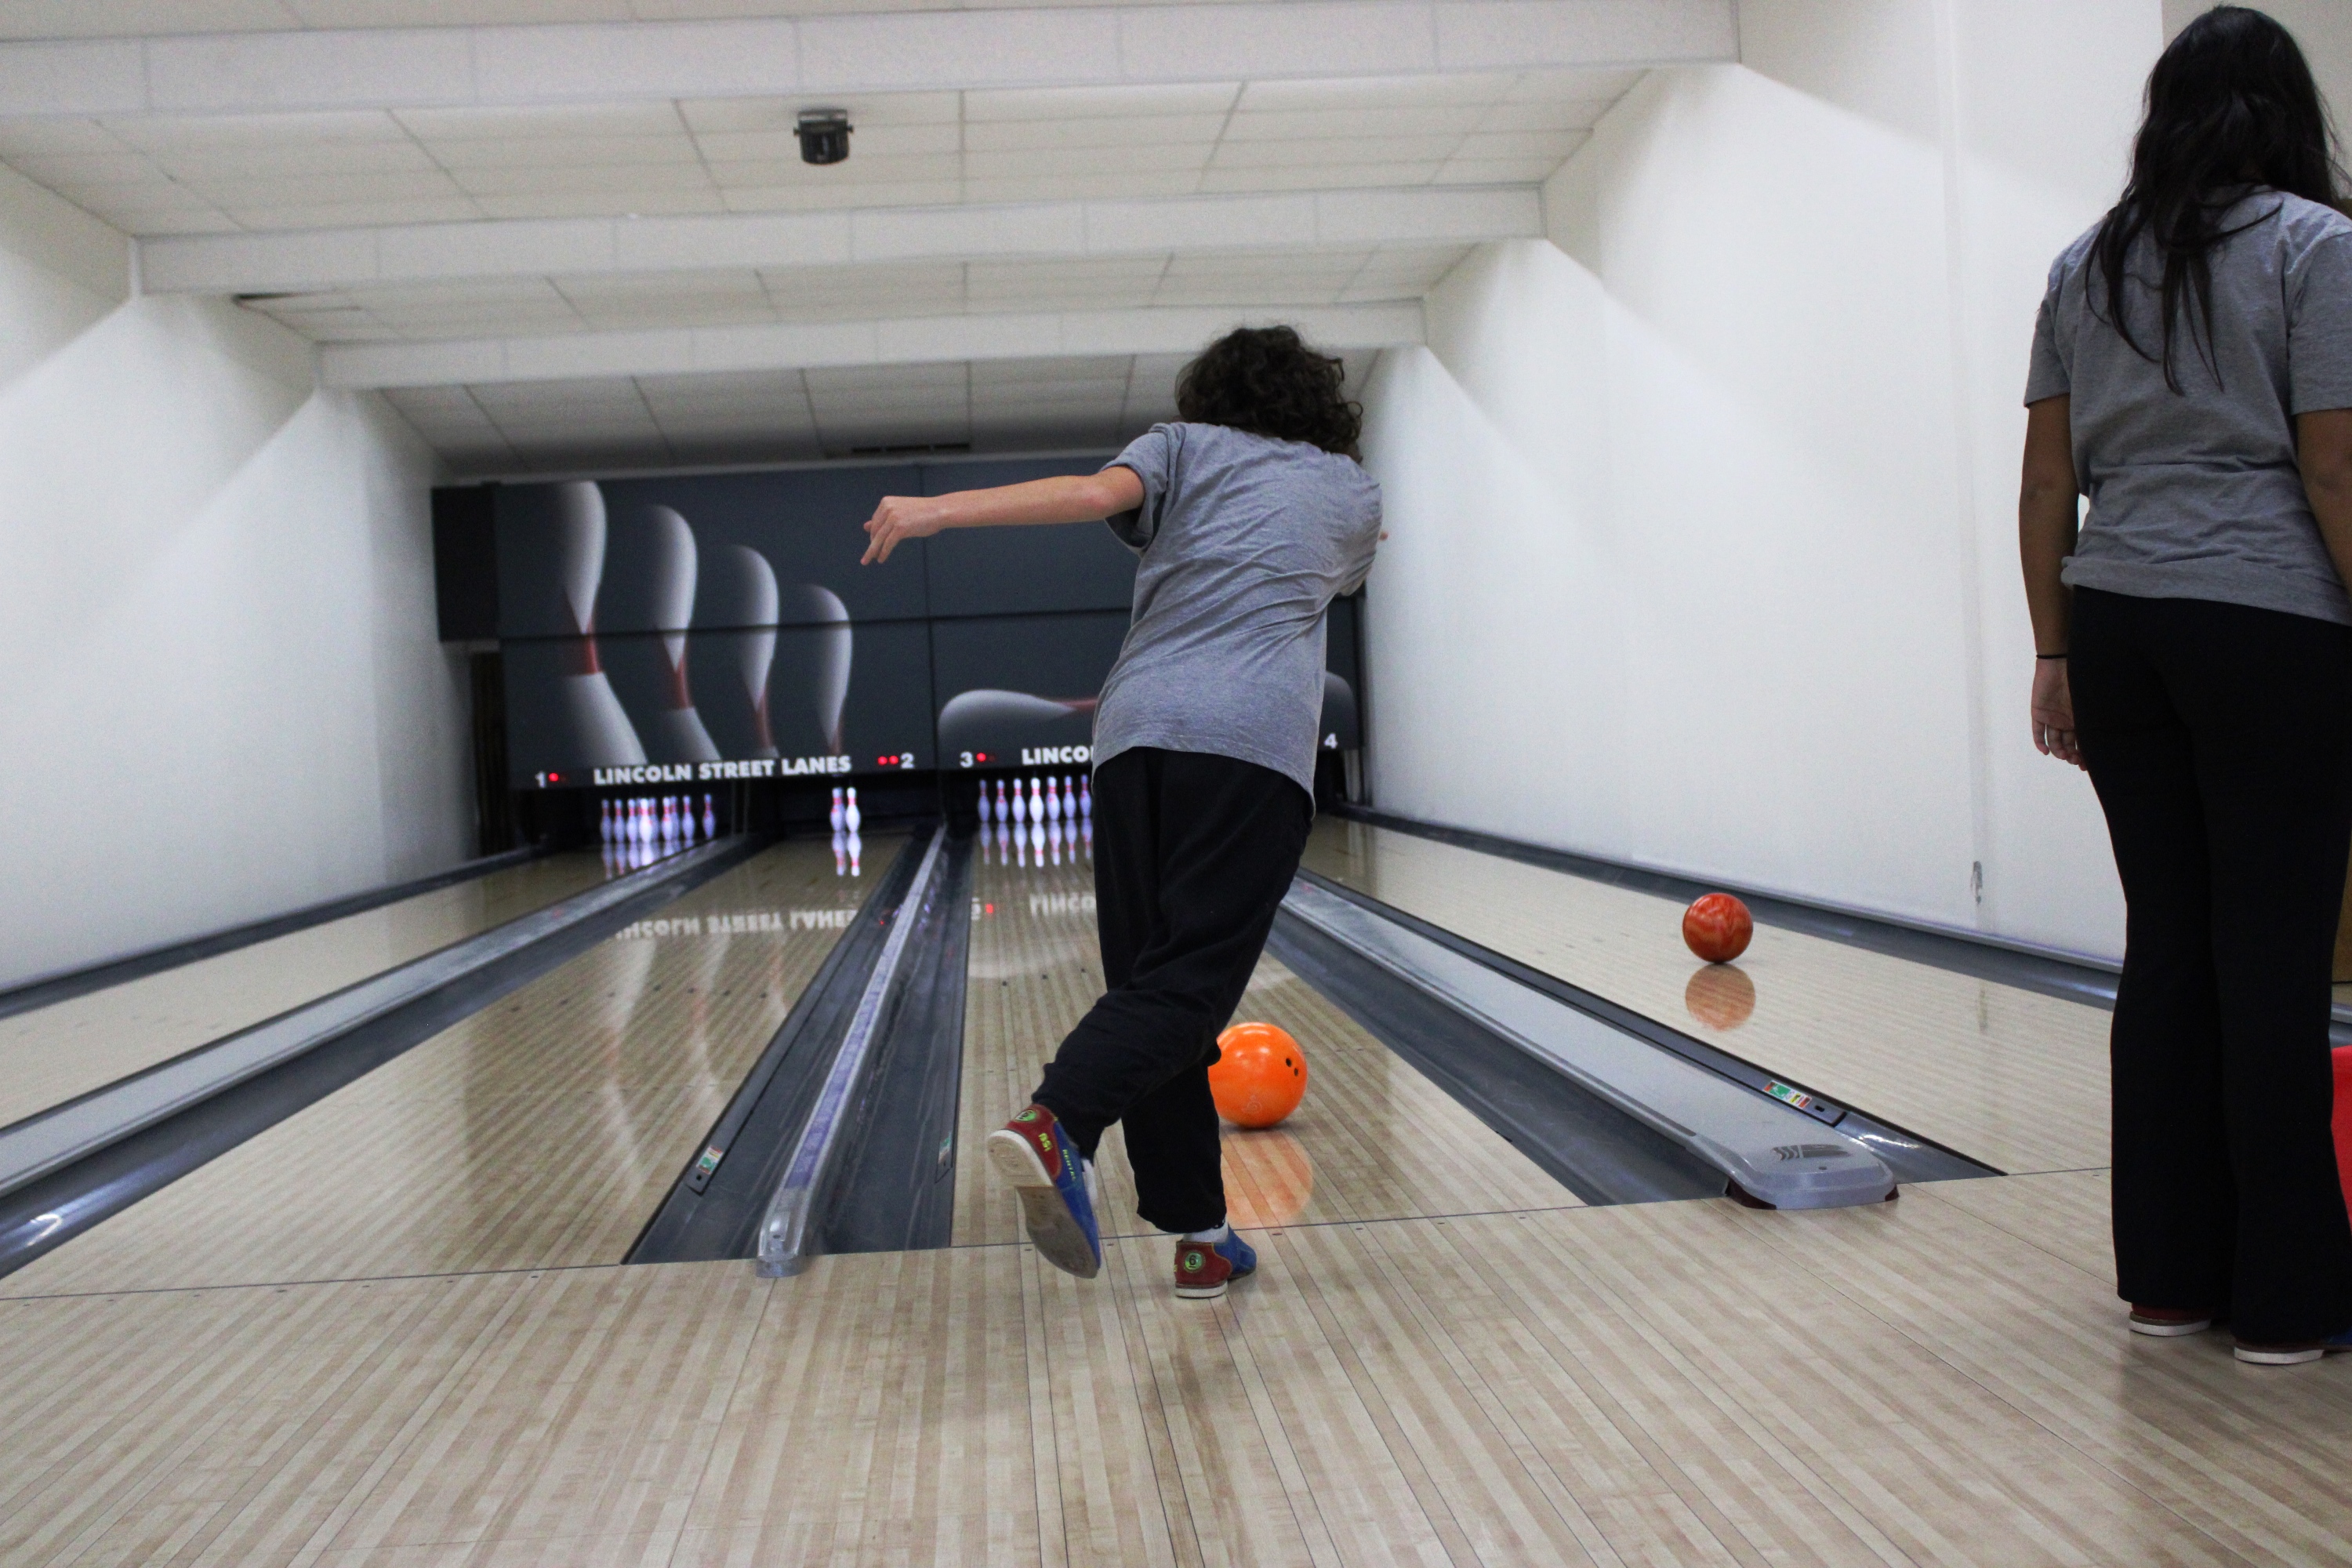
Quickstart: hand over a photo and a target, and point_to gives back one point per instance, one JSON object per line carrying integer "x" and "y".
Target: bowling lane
{"x": 54, "y": 1053}
{"x": 540, "y": 1132}
{"x": 1373, "y": 1138}
{"x": 2005, "y": 1075}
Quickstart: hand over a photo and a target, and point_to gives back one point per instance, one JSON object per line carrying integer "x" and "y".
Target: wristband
{"x": 2040, "y": 656}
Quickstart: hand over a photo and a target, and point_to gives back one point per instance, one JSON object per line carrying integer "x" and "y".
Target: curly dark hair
{"x": 1266, "y": 380}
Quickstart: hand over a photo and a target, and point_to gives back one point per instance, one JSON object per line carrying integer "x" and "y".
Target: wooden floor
{"x": 1943, "y": 1379}
{"x": 52, "y": 1054}
{"x": 2015, "y": 1079}
{"x": 1443, "y": 1360}
{"x": 542, "y": 1133}
{"x": 1034, "y": 969}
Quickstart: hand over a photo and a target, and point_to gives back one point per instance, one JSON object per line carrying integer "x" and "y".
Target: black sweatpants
{"x": 1192, "y": 855}
{"x": 2220, "y": 739}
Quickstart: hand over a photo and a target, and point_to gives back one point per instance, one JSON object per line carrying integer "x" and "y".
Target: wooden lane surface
{"x": 1943, "y": 1379}
{"x": 54, "y": 1053}
{"x": 541, "y": 1131}
{"x": 1373, "y": 1140}
{"x": 2008, "y": 1077}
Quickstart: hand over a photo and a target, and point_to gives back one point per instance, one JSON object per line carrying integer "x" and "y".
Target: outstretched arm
{"x": 1073, "y": 498}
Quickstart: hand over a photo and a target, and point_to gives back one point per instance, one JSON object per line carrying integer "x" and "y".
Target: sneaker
{"x": 2292, "y": 1354}
{"x": 1043, "y": 1168}
{"x": 1204, "y": 1269}
{"x": 2169, "y": 1322}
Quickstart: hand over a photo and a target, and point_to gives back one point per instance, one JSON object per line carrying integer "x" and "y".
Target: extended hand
{"x": 2054, "y": 712}
{"x": 897, "y": 518}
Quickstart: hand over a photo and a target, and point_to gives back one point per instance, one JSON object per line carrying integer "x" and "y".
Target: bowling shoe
{"x": 2169, "y": 1322}
{"x": 1204, "y": 1269}
{"x": 2291, "y": 1355}
{"x": 1044, "y": 1170}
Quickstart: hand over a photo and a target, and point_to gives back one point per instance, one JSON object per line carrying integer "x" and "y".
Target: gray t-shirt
{"x": 1245, "y": 542}
{"x": 2196, "y": 494}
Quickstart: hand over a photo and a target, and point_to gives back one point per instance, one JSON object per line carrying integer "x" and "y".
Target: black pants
{"x": 2220, "y": 739}
{"x": 1192, "y": 855}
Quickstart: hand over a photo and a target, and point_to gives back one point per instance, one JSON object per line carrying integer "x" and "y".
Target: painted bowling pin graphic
{"x": 597, "y": 728}
{"x": 677, "y": 730}
{"x": 735, "y": 610}
{"x": 851, "y": 818}
{"x": 811, "y": 673}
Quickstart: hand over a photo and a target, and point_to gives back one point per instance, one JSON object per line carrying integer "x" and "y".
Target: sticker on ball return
{"x": 1717, "y": 928}
{"x": 1259, "y": 1076}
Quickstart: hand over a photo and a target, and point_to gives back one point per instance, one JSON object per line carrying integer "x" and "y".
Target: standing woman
{"x": 2193, "y": 376}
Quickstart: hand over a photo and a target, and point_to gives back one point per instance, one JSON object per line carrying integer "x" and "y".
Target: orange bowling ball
{"x": 1259, "y": 1076}
{"x": 1718, "y": 927}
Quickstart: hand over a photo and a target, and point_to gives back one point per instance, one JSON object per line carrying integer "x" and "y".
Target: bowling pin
{"x": 1086, "y": 798}
{"x": 852, "y": 818}
{"x": 1003, "y": 811}
{"x": 857, "y": 849}
{"x": 604, "y": 822}
{"x": 840, "y": 853}
{"x": 1056, "y": 807}
{"x": 835, "y": 817}
{"x": 709, "y": 817}
{"x": 1036, "y": 800}
{"x": 669, "y": 819}
{"x": 983, "y": 800}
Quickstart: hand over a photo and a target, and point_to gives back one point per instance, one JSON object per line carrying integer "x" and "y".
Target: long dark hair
{"x": 2230, "y": 107}
{"x": 1266, "y": 380}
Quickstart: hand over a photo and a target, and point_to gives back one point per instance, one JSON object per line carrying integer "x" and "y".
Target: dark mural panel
{"x": 1012, "y": 570}
{"x": 1020, "y": 691}
{"x": 701, "y": 550}
{"x": 761, "y": 702}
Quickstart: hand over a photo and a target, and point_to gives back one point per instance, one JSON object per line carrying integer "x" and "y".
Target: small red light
{"x": 555, "y": 778}
{"x": 982, "y": 755}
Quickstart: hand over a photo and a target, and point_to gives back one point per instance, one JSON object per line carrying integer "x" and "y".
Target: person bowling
{"x": 1251, "y": 513}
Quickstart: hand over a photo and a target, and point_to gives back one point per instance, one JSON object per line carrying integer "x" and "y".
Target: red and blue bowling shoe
{"x": 1042, "y": 1168}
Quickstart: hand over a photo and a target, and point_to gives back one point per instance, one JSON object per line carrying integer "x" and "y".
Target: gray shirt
{"x": 2197, "y": 494}
{"x": 1245, "y": 542}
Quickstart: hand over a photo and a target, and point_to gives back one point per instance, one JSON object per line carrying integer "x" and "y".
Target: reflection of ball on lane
{"x": 1269, "y": 1179}
{"x": 1720, "y": 996}
{"x": 1718, "y": 927}
{"x": 1259, "y": 1076}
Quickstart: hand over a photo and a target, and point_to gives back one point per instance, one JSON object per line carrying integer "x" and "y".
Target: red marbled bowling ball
{"x": 1718, "y": 927}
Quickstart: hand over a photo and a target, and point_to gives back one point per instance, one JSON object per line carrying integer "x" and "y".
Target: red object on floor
{"x": 2344, "y": 1120}
{"x": 1718, "y": 927}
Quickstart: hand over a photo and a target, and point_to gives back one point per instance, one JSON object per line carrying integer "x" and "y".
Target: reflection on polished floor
{"x": 1444, "y": 1358}
{"x": 540, "y": 1132}
{"x": 70, "y": 1047}
{"x": 2012, "y": 1078}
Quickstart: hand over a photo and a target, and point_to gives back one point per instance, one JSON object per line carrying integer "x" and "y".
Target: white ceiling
{"x": 132, "y": 18}
{"x": 341, "y": 177}
{"x": 168, "y": 174}
{"x": 728, "y": 297}
{"x": 1007, "y": 405}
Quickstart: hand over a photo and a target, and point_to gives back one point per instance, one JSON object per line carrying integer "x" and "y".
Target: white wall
{"x": 223, "y": 696}
{"x": 1703, "y": 512}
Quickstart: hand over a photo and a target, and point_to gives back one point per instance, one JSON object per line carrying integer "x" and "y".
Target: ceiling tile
{"x": 1320, "y": 176}
{"x": 1088, "y": 102}
{"x": 1081, "y": 187}
{"x": 1328, "y": 124}
{"x": 1378, "y": 92}
{"x": 340, "y": 214}
{"x": 558, "y": 151}
{"x": 590, "y": 120}
{"x": 1349, "y": 150}
{"x": 192, "y": 133}
{"x": 1131, "y": 131}
{"x": 569, "y": 181}
{"x": 808, "y": 198}
{"x": 600, "y": 203}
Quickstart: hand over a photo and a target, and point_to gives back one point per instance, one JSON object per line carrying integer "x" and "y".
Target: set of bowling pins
{"x": 1049, "y": 799}
{"x": 848, "y": 848}
{"x": 668, "y": 821}
{"x": 1033, "y": 826}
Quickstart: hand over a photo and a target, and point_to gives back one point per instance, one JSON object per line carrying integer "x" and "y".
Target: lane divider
{"x": 784, "y": 1231}
{"x": 49, "y": 1139}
